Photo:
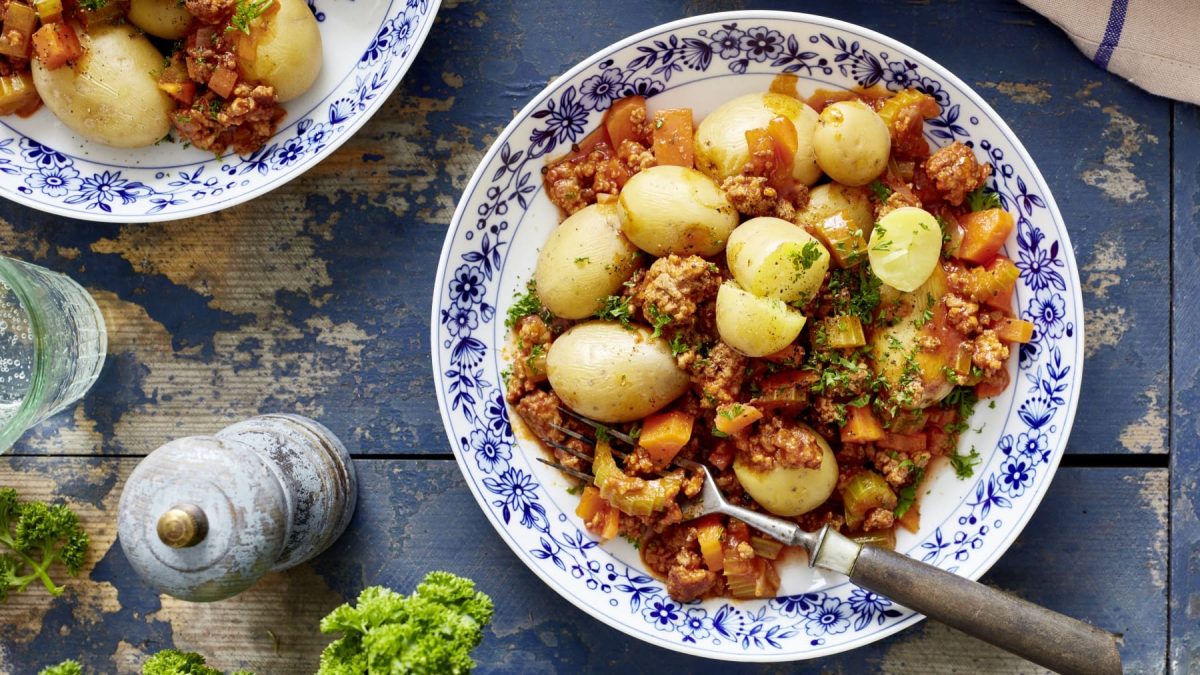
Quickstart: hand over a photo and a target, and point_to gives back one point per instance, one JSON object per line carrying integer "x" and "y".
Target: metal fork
{"x": 1047, "y": 638}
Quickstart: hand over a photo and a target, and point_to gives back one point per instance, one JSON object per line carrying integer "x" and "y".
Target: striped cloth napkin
{"x": 1155, "y": 44}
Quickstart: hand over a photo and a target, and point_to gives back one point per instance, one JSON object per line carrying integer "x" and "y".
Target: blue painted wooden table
{"x": 315, "y": 299}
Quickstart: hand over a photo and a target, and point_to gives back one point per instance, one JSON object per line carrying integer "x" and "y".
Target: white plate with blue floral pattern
{"x": 490, "y": 251}
{"x": 369, "y": 45}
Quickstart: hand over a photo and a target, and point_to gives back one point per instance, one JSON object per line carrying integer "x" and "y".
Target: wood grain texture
{"x": 1094, "y": 550}
{"x": 1185, "y": 403}
{"x": 314, "y": 299}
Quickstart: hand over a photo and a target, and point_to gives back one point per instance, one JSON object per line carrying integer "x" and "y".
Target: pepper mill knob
{"x": 203, "y": 518}
{"x": 183, "y": 526}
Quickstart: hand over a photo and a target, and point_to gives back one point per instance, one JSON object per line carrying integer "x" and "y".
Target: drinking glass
{"x": 52, "y": 345}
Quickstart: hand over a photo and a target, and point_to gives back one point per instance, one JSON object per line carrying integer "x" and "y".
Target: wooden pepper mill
{"x": 203, "y": 518}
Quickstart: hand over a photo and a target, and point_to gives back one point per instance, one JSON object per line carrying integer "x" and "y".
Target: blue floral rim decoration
{"x": 489, "y": 251}
{"x": 50, "y": 179}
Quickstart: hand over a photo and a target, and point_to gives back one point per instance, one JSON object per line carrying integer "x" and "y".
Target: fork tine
{"x": 569, "y": 450}
{"x": 619, "y": 454}
{"x": 623, "y": 437}
{"x": 573, "y": 434}
{"x": 567, "y": 470}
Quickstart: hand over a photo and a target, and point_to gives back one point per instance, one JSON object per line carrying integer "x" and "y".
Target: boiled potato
{"x": 916, "y": 377}
{"x": 773, "y": 258}
{"x": 753, "y": 325}
{"x": 167, "y": 19}
{"x": 905, "y": 247}
{"x": 610, "y": 373}
{"x": 287, "y": 51}
{"x": 791, "y": 491}
{"x": 851, "y": 143}
{"x": 721, "y": 148}
{"x": 585, "y": 260}
{"x": 674, "y": 209}
{"x": 833, "y": 198}
{"x": 110, "y": 95}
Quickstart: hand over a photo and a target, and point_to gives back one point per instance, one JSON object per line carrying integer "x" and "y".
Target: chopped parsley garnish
{"x": 907, "y": 496}
{"x": 983, "y": 198}
{"x": 861, "y": 292}
{"x": 658, "y": 319}
{"x": 927, "y": 314}
{"x": 678, "y": 346}
{"x": 964, "y": 465}
{"x": 245, "y": 14}
{"x": 806, "y": 257}
{"x": 93, "y": 5}
{"x": 616, "y": 308}
{"x": 964, "y": 399}
{"x": 575, "y": 490}
{"x": 881, "y": 191}
{"x": 718, "y": 433}
{"x": 526, "y": 304}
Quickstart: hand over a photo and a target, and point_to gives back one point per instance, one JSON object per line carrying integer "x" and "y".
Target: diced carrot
{"x": 590, "y": 503}
{"x": 618, "y": 121}
{"x": 184, "y": 92}
{"x": 55, "y": 44}
{"x": 984, "y": 234}
{"x": 735, "y": 417}
{"x": 673, "y": 142}
{"x": 665, "y": 434}
{"x": 993, "y": 385}
{"x": 908, "y": 443}
{"x": 223, "y": 81}
{"x": 861, "y": 425}
{"x": 994, "y": 285}
{"x": 709, "y": 532}
{"x": 600, "y": 517}
{"x": 1015, "y": 330}
{"x": 780, "y": 139}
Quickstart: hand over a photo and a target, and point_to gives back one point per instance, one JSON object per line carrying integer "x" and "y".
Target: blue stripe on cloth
{"x": 1112, "y": 33}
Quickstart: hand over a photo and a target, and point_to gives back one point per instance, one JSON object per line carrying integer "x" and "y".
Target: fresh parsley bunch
{"x": 34, "y": 536}
{"x": 431, "y": 631}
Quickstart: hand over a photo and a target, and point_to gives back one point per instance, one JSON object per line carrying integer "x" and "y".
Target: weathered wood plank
{"x": 1096, "y": 550}
{"x": 315, "y": 298}
{"x": 1185, "y": 404}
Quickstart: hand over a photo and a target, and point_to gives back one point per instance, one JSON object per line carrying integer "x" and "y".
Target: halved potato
{"x": 777, "y": 259}
{"x": 721, "y": 148}
{"x": 753, "y": 325}
{"x": 791, "y": 491}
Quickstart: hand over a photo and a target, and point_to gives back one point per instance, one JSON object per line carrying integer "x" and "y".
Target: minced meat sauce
{"x": 220, "y": 110}
{"x": 808, "y": 387}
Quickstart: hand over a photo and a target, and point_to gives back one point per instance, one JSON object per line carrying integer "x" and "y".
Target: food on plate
{"x": 675, "y": 209}
{"x": 230, "y": 64}
{"x": 613, "y": 374}
{"x": 109, "y": 95}
{"x": 584, "y": 261}
{"x": 807, "y": 298}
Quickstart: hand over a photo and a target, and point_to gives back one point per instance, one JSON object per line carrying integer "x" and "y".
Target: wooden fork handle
{"x": 1047, "y": 638}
